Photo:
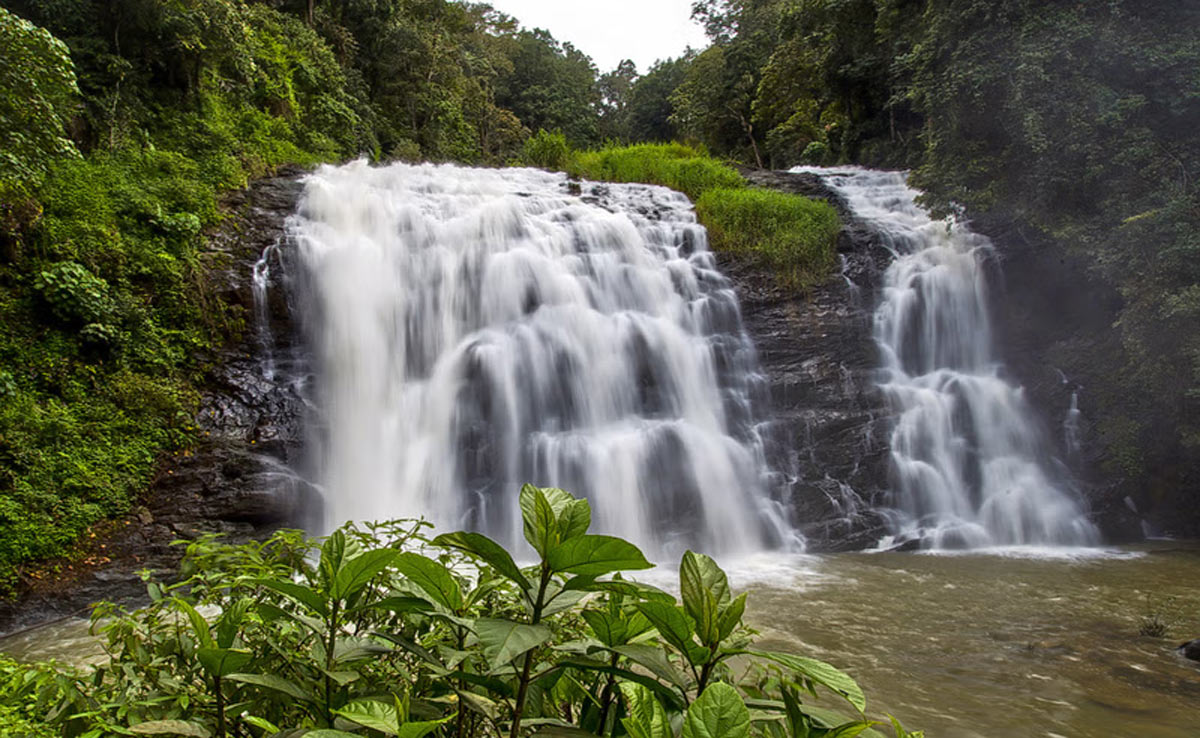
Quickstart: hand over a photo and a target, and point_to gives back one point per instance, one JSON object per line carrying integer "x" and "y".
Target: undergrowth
{"x": 791, "y": 235}
{"x": 384, "y": 631}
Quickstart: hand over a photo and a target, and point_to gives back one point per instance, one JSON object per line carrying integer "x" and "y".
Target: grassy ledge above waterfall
{"x": 791, "y": 235}
{"x": 384, "y": 631}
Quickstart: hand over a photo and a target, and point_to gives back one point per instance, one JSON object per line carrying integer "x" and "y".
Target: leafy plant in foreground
{"x": 382, "y": 631}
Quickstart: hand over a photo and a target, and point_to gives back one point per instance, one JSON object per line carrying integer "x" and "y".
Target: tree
{"x": 38, "y": 95}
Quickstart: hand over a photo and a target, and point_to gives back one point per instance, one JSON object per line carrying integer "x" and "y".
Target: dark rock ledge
{"x": 831, "y": 423}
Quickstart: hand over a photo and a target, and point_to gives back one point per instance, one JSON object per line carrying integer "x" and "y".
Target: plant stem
{"x": 329, "y": 646}
{"x": 523, "y": 687}
{"x": 607, "y": 695}
{"x": 217, "y": 687}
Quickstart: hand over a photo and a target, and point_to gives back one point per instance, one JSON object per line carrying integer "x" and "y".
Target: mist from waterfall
{"x": 474, "y": 329}
{"x": 970, "y": 466}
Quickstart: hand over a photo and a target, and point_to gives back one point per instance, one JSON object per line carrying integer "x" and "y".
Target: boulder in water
{"x": 1190, "y": 650}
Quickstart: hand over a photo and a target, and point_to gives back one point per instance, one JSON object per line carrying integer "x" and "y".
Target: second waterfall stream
{"x": 475, "y": 329}
{"x": 970, "y": 466}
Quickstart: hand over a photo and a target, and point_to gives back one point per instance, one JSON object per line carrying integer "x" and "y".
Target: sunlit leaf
{"x": 482, "y": 547}
{"x": 433, "y": 579}
{"x": 718, "y": 713}
{"x": 592, "y": 555}
{"x": 504, "y": 640}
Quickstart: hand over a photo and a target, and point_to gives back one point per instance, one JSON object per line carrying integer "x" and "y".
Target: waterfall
{"x": 475, "y": 329}
{"x": 970, "y": 466}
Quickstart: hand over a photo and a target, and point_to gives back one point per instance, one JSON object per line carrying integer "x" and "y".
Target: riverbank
{"x": 248, "y": 428}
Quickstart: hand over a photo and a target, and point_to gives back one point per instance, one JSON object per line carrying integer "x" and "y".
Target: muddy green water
{"x": 997, "y": 646}
{"x": 962, "y": 646}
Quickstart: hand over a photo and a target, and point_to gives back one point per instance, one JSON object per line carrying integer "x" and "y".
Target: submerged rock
{"x": 1190, "y": 650}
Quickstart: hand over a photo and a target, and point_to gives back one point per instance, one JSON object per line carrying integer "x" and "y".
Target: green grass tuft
{"x": 678, "y": 166}
{"x": 792, "y": 235}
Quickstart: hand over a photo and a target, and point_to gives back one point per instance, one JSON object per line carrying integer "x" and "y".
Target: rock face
{"x": 831, "y": 423}
{"x": 236, "y": 482}
{"x": 1190, "y": 650}
{"x": 1057, "y": 328}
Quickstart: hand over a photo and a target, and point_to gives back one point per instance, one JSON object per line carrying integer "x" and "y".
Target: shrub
{"x": 382, "y": 630}
{"x": 792, "y": 235}
{"x": 74, "y": 294}
{"x": 546, "y": 150}
{"x": 678, "y": 166}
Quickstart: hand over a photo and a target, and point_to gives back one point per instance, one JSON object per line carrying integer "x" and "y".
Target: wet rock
{"x": 830, "y": 427}
{"x": 1190, "y": 650}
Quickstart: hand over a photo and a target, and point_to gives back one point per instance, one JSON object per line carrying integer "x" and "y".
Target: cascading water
{"x": 475, "y": 329}
{"x": 970, "y": 466}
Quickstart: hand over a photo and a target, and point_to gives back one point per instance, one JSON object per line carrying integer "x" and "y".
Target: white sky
{"x": 611, "y": 30}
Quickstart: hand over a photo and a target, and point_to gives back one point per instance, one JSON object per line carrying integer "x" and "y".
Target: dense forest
{"x": 1071, "y": 124}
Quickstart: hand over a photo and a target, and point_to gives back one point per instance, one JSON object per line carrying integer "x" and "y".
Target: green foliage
{"x": 546, "y": 149}
{"x": 106, "y": 313}
{"x": 678, "y": 166}
{"x": 74, "y": 294}
{"x": 793, "y": 235}
{"x": 550, "y": 86}
{"x": 38, "y": 84}
{"x": 382, "y": 631}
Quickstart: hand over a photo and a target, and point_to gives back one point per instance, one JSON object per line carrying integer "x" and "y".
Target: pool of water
{"x": 997, "y": 644}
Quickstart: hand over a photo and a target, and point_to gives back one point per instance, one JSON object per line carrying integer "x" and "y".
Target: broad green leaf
{"x": 703, "y": 588}
{"x": 671, "y": 622}
{"x": 559, "y": 731}
{"x": 330, "y": 733}
{"x": 273, "y": 682}
{"x": 268, "y": 727}
{"x": 433, "y": 578}
{"x": 849, "y": 730}
{"x": 298, "y": 592}
{"x": 395, "y": 604}
{"x": 647, "y": 718}
{"x": 422, "y": 729}
{"x": 199, "y": 624}
{"x": 478, "y": 703}
{"x": 492, "y": 684}
{"x": 901, "y": 732}
{"x": 335, "y": 552}
{"x": 575, "y": 519}
{"x": 591, "y": 555}
{"x": 609, "y": 629}
{"x": 819, "y": 672}
{"x": 653, "y": 659}
{"x": 561, "y": 601}
{"x": 170, "y": 727}
{"x": 504, "y": 640}
{"x": 230, "y": 621}
{"x": 482, "y": 547}
{"x": 351, "y": 648}
{"x": 731, "y": 616}
{"x": 539, "y": 518}
{"x": 221, "y": 662}
{"x": 381, "y": 716}
{"x": 667, "y": 694}
{"x": 619, "y": 586}
{"x": 718, "y": 713}
{"x": 356, "y": 572}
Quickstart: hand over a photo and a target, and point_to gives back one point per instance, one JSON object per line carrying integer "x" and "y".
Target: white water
{"x": 970, "y": 466}
{"x": 476, "y": 329}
